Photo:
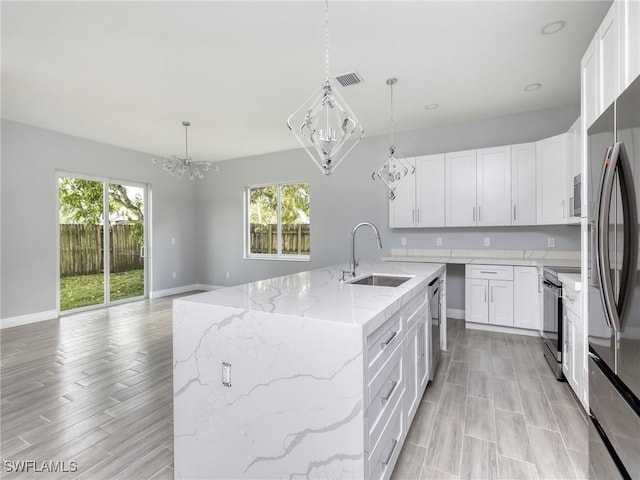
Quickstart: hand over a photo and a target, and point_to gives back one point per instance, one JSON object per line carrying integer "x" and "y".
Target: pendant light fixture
{"x": 324, "y": 125}
{"x": 178, "y": 166}
{"x": 394, "y": 169}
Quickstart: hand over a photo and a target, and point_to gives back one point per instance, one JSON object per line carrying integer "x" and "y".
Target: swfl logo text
{"x": 23, "y": 466}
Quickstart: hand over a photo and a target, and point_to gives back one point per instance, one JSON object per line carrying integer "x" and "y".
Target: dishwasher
{"x": 434, "y": 325}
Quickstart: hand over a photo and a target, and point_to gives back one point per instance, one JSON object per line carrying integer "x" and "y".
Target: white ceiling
{"x": 128, "y": 73}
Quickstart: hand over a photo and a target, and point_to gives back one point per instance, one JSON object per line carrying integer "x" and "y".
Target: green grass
{"x": 85, "y": 290}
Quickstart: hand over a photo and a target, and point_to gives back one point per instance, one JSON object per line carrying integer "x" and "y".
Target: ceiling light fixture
{"x": 394, "y": 169}
{"x": 178, "y": 166}
{"x": 324, "y": 125}
{"x": 532, "y": 86}
{"x": 432, "y": 106}
{"x": 553, "y": 27}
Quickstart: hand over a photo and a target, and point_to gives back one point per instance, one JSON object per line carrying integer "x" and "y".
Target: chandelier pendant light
{"x": 324, "y": 125}
{"x": 178, "y": 166}
{"x": 394, "y": 169}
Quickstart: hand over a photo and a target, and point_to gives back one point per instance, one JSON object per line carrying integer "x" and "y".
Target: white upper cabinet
{"x": 523, "y": 184}
{"x": 589, "y": 88}
{"x": 460, "y": 173}
{"x": 574, "y": 167}
{"x": 430, "y": 191}
{"x": 608, "y": 57}
{"x": 629, "y": 15}
{"x": 493, "y": 185}
{"x": 402, "y": 209}
{"x": 551, "y": 162}
{"x": 419, "y": 198}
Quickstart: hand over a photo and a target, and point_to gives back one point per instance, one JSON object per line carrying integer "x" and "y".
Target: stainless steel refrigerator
{"x": 613, "y": 191}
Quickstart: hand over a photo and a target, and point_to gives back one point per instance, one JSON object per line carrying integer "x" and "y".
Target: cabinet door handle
{"x": 562, "y": 208}
{"x": 386, "y": 343}
{"x": 479, "y": 213}
{"x": 413, "y": 216}
{"x": 491, "y": 293}
{"x": 386, "y": 398}
{"x": 418, "y": 216}
{"x": 514, "y": 212}
{"x": 485, "y": 294}
{"x": 474, "y": 214}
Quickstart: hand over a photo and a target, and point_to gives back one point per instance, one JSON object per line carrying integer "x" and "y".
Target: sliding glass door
{"x": 101, "y": 223}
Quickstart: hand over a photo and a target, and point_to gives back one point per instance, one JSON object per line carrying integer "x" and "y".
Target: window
{"x": 278, "y": 222}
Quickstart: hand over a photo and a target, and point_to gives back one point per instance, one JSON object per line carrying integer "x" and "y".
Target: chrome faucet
{"x": 353, "y": 263}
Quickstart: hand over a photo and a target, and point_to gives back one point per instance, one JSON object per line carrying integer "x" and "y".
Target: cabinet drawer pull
{"x": 386, "y": 343}
{"x": 385, "y": 399}
{"x": 489, "y": 271}
{"x": 390, "y": 454}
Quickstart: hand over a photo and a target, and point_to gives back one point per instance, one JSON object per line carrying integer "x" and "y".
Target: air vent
{"x": 350, "y": 78}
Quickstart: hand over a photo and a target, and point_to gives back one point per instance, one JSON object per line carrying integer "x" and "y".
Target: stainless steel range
{"x": 552, "y": 334}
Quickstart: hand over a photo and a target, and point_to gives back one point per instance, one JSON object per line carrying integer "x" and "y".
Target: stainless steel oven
{"x": 552, "y": 334}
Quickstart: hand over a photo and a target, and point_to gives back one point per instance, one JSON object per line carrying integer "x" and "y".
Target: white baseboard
{"x": 183, "y": 289}
{"x": 501, "y": 329}
{"x": 28, "y": 318}
{"x": 455, "y": 313}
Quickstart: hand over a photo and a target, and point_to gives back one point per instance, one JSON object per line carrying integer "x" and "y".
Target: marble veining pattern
{"x": 296, "y": 404}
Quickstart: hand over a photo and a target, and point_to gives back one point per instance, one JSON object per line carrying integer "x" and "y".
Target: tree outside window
{"x": 279, "y": 221}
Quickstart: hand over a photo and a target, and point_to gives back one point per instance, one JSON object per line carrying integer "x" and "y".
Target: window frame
{"x": 247, "y": 225}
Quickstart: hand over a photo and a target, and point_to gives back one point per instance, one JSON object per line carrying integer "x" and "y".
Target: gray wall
{"x": 30, "y": 158}
{"x": 349, "y": 196}
{"x": 206, "y": 217}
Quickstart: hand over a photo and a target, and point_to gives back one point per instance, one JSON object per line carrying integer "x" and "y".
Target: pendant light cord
{"x": 326, "y": 40}
{"x": 186, "y": 142}
{"x": 391, "y": 82}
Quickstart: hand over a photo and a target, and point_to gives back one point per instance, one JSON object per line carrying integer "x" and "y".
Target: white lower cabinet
{"x": 573, "y": 347}
{"x": 526, "y": 298}
{"x": 398, "y": 371}
{"x": 489, "y": 294}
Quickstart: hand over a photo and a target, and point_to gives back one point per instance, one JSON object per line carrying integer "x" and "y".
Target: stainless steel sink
{"x": 381, "y": 280}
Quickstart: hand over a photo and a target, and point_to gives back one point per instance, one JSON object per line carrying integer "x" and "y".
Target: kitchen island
{"x": 300, "y": 375}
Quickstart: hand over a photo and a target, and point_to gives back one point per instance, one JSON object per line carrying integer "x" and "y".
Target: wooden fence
{"x": 82, "y": 247}
{"x": 296, "y": 239}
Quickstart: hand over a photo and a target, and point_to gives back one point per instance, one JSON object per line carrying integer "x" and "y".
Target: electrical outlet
{"x": 551, "y": 242}
{"x": 403, "y": 241}
{"x": 227, "y": 274}
{"x": 487, "y": 241}
{"x": 439, "y": 241}
{"x": 173, "y": 274}
{"x": 173, "y": 241}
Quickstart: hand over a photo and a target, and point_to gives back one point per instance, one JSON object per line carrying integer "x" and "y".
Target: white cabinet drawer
{"x": 386, "y": 452}
{"x": 382, "y": 342}
{"x": 413, "y": 305}
{"x": 489, "y": 272}
{"x": 571, "y": 301}
{"x": 384, "y": 391}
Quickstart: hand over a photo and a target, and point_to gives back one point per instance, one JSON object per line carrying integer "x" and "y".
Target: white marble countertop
{"x": 319, "y": 294}
{"x": 535, "y": 258}
{"x": 571, "y": 280}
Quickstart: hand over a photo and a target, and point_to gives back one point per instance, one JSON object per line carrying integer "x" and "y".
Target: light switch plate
{"x": 403, "y": 241}
{"x": 551, "y": 242}
{"x": 487, "y": 241}
{"x": 439, "y": 241}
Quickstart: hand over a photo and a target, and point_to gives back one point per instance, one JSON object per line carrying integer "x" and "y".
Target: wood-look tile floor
{"x": 494, "y": 410}
{"x": 95, "y": 388}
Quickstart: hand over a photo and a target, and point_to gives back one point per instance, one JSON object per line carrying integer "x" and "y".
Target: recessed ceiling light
{"x": 432, "y": 106}
{"x": 553, "y": 27}
{"x": 533, "y": 86}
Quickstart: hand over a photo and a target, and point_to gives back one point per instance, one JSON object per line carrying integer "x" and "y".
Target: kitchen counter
{"x": 319, "y": 295}
{"x": 571, "y": 280}
{"x": 278, "y": 378}
{"x": 534, "y": 258}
